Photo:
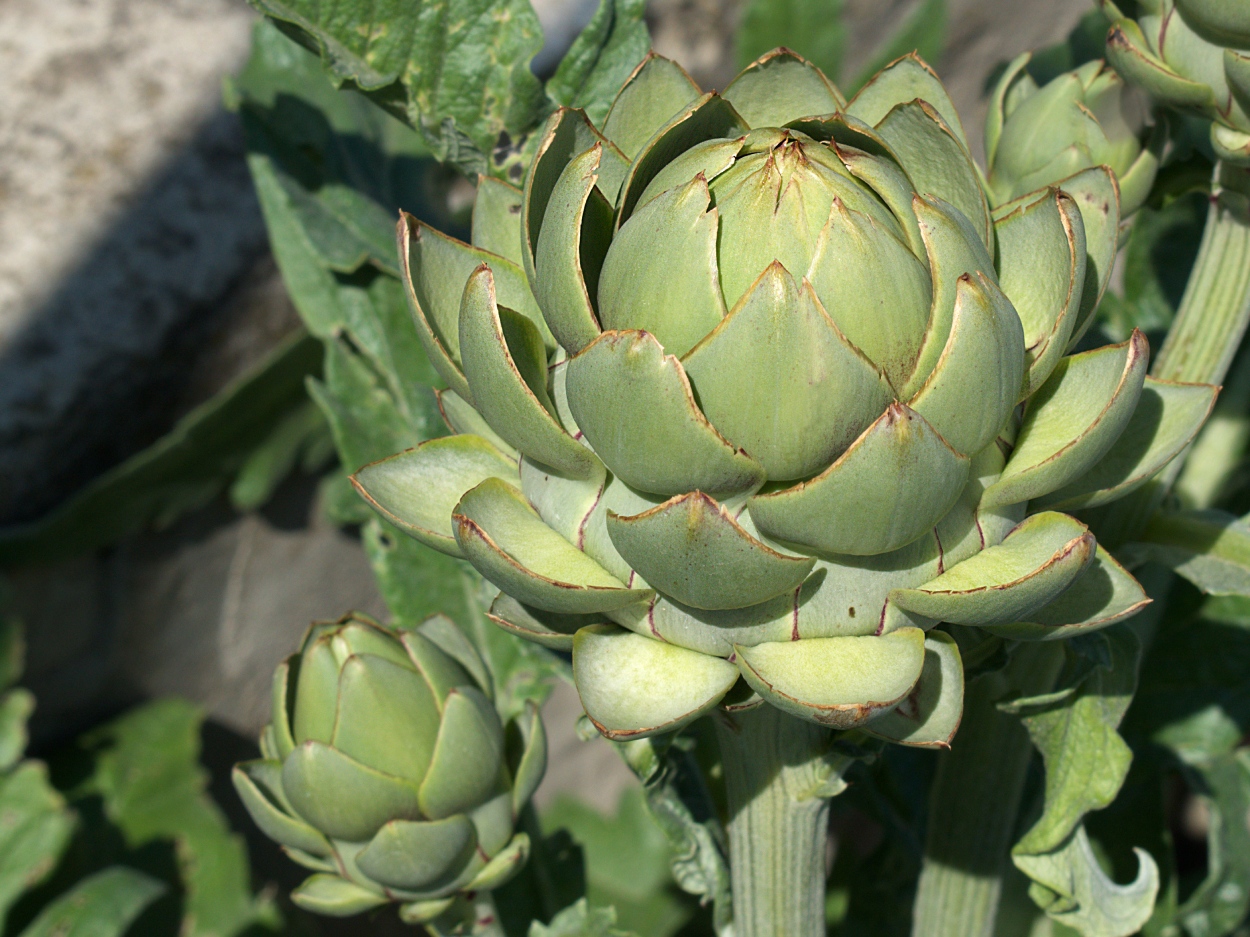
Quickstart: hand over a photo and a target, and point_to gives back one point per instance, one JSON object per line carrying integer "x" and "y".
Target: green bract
{"x": 755, "y": 387}
{"x": 1036, "y": 137}
{"x": 1189, "y": 54}
{"x": 386, "y": 772}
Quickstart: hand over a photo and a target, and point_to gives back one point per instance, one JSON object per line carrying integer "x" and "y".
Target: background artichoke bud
{"x": 385, "y": 769}
{"x": 752, "y": 390}
{"x": 1193, "y": 55}
{"x": 1035, "y": 137}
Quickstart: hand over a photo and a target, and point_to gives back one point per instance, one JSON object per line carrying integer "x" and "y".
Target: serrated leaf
{"x": 1072, "y": 888}
{"x": 36, "y": 829}
{"x": 580, "y": 920}
{"x": 457, "y": 69}
{"x": 103, "y": 905}
{"x": 181, "y": 471}
{"x": 603, "y": 55}
{"x": 1086, "y": 759}
{"x": 148, "y": 775}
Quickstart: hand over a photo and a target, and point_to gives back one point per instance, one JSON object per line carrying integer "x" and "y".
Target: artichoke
{"x": 385, "y": 769}
{"x": 751, "y": 390}
{"x": 1036, "y": 137}
{"x": 1193, "y": 55}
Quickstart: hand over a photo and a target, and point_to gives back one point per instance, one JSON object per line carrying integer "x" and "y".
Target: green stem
{"x": 1209, "y": 326}
{"x": 975, "y": 800}
{"x": 473, "y": 914}
{"x": 775, "y": 769}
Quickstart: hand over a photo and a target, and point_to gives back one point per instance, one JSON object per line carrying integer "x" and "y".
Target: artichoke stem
{"x": 1210, "y": 323}
{"x": 975, "y": 801}
{"x": 474, "y": 915}
{"x": 778, "y": 824}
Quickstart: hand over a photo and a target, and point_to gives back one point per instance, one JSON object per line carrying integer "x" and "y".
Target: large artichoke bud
{"x": 386, "y": 771}
{"x": 737, "y": 388}
{"x": 1193, "y": 55}
{"x": 1036, "y": 137}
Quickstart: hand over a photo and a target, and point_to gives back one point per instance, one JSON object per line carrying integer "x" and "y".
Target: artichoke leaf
{"x": 633, "y": 686}
{"x": 841, "y": 682}
{"x": 505, "y": 361}
{"x": 635, "y": 406}
{"x": 508, "y": 543}
{"x": 653, "y": 95}
{"x": 1041, "y": 269}
{"x": 1103, "y": 595}
{"x": 566, "y": 134}
{"x": 550, "y": 629}
{"x": 441, "y": 671}
{"x": 334, "y": 896}
{"x": 1210, "y": 548}
{"x": 1167, "y": 418}
{"x": 973, "y": 387}
{"x": 419, "y": 855}
{"x": 930, "y": 715}
{"x": 937, "y": 163}
{"x": 502, "y": 866}
{"x": 565, "y": 504}
{"x": 904, "y": 80}
{"x": 425, "y": 910}
{"x": 467, "y": 756}
{"x": 710, "y": 158}
{"x": 343, "y": 798}
{"x": 1073, "y": 420}
{"x": 1097, "y": 195}
{"x": 891, "y": 486}
{"x": 527, "y": 773}
{"x": 280, "y": 725}
{"x": 660, "y": 274}
{"x": 417, "y": 490}
{"x": 570, "y": 252}
{"x": 496, "y": 220}
{"x": 891, "y": 184}
{"x": 1035, "y": 563}
{"x": 996, "y": 114}
{"x": 953, "y": 250}
{"x": 781, "y": 86}
{"x": 710, "y": 117}
{"x": 380, "y": 702}
{"x": 779, "y": 379}
{"x": 447, "y": 636}
{"x": 258, "y": 784}
{"x": 692, "y": 549}
{"x": 1130, "y": 55}
{"x": 462, "y": 419}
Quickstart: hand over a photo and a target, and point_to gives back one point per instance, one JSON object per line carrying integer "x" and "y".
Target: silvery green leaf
{"x": 1085, "y": 757}
{"x": 1209, "y": 548}
{"x": 580, "y": 920}
{"x": 601, "y": 58}
{"x": 1219, "y": 904}
{"x": 1072, "y": 888}
{"x": 103, "y": 905}
{"x": 458, "y": 69}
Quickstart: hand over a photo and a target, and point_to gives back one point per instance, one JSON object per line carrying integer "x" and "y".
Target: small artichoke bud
{"x": 385, "y": 770}
{"x": 1037, "y": 137}
{"x": 1192, "y": 55}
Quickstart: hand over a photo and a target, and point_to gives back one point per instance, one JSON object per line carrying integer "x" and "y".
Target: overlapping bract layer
{"x": 1193, "y": 55}
{"x": 776, "y": 401}
{"x": 1035, "y": 137}
{"x": 385, "y": 769}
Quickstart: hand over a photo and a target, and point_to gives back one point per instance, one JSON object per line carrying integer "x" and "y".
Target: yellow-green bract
{"x": 755, "y": 388}
{"x": 385, "y": 770}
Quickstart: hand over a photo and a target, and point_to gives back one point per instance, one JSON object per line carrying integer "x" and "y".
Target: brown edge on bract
{"x": 857, "y": 713}
{"x": 387, "y": 515}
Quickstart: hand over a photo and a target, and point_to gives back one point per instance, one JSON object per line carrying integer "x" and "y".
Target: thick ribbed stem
{"x": 1206, "y": 333}
{"x": 777, "y": 829}
{"x": 975, "y": 800}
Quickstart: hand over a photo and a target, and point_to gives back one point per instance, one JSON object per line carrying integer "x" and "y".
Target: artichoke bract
{"x": 386, "y": 772}
{"x": 752, "y": 390}
{"x": 1193, "y": 55}
{"x": 1039, "y": 136}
